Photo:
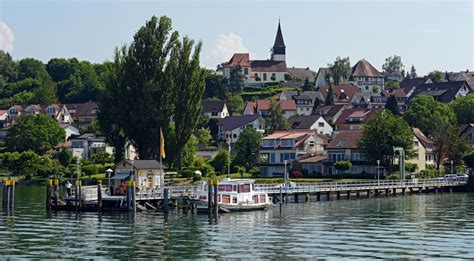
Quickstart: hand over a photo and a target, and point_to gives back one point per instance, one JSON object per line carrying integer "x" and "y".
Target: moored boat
{"x": 234, "y": 195}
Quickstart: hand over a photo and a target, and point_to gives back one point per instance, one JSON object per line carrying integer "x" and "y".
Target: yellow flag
{"x": 162, "y": 144}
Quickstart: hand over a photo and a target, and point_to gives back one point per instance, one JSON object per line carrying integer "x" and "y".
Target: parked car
{"x": 462, "y": 177}
{"x": 451, "y": 177}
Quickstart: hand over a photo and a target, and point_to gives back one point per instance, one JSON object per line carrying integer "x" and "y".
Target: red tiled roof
{"x": 287, "y": 105}
{"x": 356, "y": 112}
{"x": 341, "y": 92}
{"x": 241, "y": 59}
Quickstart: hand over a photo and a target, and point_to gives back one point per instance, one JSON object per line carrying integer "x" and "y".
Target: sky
{"x": 432, "y": 35}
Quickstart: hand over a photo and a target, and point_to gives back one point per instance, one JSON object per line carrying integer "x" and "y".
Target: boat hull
{"x": 201, "y": 206}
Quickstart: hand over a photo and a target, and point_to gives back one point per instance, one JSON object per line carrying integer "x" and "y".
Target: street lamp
{"x": 452, "y": 167}
{"x": 286, "y": 173}
{"x": 109, "y": 173}
{"x": 378, "y": 172}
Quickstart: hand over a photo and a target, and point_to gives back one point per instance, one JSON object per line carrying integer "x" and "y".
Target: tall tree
{"x": 189, "y": 88}
{"x": 392, "y": 105}
{"x": 216, "y": 87}
{"x": 307, "y": 86}
{"x": 247, "y": 147}
{"x": 447, "y": 144}
{"x": 464, "y": 108}
{"x": 236, "y": 79}
{"x": 235, "y": 104}
{"x": 7, "y": 66}
{"x": 38, "y": 133}
{"x": 277, "y": 121}
{"x": 330, "y": 96}
{"x": 436, "y": 76}
{"x": 384, "y": 132}
{"x": 340, "y": 69}
{"x": 393, "y": 64}
{"x": 413, "y": 72}
{"x": 425, "y": 113}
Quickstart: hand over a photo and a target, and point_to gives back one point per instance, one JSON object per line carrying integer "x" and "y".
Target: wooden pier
{"x": 97, "y": 197}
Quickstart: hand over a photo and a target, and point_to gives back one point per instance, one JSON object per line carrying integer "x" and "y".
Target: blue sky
{"x": 432, "y": 36}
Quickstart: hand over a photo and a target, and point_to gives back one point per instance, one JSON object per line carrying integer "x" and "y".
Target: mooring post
{"x": 12, "y": 194}
{"x": 165, "y": 206}
{"x": 56, "y": 192}
{"x": 450, "y": 189}
{"x": 99, "y": 195}
{"x": 436, "y": 190}
{"x": 338, "y": 195}
{"x": 348, "y": 194}
{"x": 281, "y": 196}
{"x": 307, "y": 196}
{"x": 48, "y": 194}
{"x": 358, "y": 194}
{"x": 4, "y": 194}
{"x": 209, "y": 196}
{"x": 129, "y": 196}
{"x": 318, "y": 196}
{"x": 328, "y": 196}
{"x": 368, "y": 193}
{"x": 419, "y": 190}
{"x": 387, "y": 192}
{"x": 134, "y": 196}
{"x": 403, "y": 191}
{"x": 216, "y": 203}
{"x": 76, "y": 195}
{"x": 296, "y": 197}
{"x": 376, "y": 192}
{"x": 394, "y": 191}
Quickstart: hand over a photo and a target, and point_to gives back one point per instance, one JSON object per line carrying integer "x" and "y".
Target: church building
{"x": 261, "y": 71}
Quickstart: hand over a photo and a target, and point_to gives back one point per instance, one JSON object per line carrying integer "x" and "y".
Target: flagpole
{"x": 162, "y": 180}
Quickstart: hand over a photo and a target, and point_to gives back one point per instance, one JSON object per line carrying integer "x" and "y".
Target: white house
{"x": 214, "y": 109}
{"x": 231, "y": 127}
{"x": 366, "y": 77}
{"x": 315, "y": 123}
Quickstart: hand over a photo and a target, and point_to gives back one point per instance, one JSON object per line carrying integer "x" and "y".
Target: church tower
{"x": 279, "y": 48}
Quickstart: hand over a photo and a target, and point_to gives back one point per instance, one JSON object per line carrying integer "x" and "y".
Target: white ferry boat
{"x": 234, "y": 195}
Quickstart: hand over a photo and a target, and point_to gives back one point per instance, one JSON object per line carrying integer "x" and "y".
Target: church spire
{"x": 279, "y": 48}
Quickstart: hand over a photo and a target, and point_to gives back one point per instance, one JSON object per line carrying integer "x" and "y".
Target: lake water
{"x": 414, "y": 226}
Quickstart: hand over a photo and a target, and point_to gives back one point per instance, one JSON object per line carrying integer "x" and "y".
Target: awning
{"x": 121, "y": 176}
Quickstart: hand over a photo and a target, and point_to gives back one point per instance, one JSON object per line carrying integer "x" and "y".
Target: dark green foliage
{"x": 90, "y": 170}
{"x": 410, "y": 167}
{"x": 307, "y": 86}
{"x": 7, "y": 67}
{"x": 413, "y": 73}
{"x": 38, "y": 133}
{"x": 464, "y": 108}
{"x": 384, "y": 132}
{"x": 277, "y": 121}
{"x": 236, "y": 80}
{"x": 392, "y": 84}
{"x": 436, "y": 76}
{"x": 393, "y": 64}
{"x": 426, "y": 114}
{"x": 221, "y": 161}
{"x": 235, "y": 104}
{"x": 330, "y": 96}
{"x": 469, "y": 159}
{"x": 255, "y": 172}
{"x": 247, "y": 147}
{"x": 102, "y": 158}
{"x": 187, "y": 173}
{"x": 392, "y": 105}
{"x": 340, "y": 69}
{"x": 216, "y": 87}
{"x": 28, "y": 163}
{"x": 65, "y": 157}
{"x": 343, "y": 165}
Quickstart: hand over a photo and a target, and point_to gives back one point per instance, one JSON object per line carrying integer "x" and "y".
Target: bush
{"x": 90, "y": 170}
{"x": 343, "y": 165}
{"x": 411, "y": 167}
{"x": 196, "y": 177}
{"x": 392, "y": 176}
{"x": 255, "y": 172}
{"x": 220, "y": 161}
{"x": 187, "y": 173}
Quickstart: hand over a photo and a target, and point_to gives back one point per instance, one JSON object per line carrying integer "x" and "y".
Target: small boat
{"x": 234, "y": 195}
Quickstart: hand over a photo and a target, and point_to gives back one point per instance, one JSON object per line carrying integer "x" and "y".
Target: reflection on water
{"x": 426, "y": 226}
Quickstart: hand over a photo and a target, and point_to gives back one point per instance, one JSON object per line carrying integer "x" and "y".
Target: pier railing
{"x": 356, "y": 186}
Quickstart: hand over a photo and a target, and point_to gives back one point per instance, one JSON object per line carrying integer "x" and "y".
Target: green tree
{"x": 65, "y": 157}
{"x": 384, "y": 132}
{"x": 236, "y": 80}
{"x": 436, "y": 76}
{"x": 447, "y": 143}
{"x": 392, "y": 84}
{"x": 464, "y": 108}
{"x": 32, "y": 76}
{"x": 343, "y": 165}
{"x": 425, "y": 113}
{"x": 469, "y": 159}
{"x": 307, "y": 86}
{"x": 7, "y": 66}
{"x": 203, "y": 136}
{"x": 102, "y": 158}
{"x": 221, "y": 161}
{"x": 216, "y": 87}
{"x": 277, "y": 121}
{"x": 340, "y": 69}
{"x": 413, "y": 72}
{"x": 38, "y": 133}
{"x": 189, "y": 151}
{"x": 392, "y": 105}
{"x": 236, "y": 104}
{"x": 159, "y": 79}
{"x": 330, "y": 96}
{"x": 247, "y": 147}
{"x": 393, "y": 64}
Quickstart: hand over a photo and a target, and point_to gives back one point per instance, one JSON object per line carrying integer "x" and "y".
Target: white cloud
{"x": 6, "y": 37}
{"x": 223, "y": 47}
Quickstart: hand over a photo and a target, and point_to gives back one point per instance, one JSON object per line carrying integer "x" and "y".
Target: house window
{"x": 50, "y": 110}
{"x": 272, "y": 157}
{"x": 273, "y": 77}
{"x": 246, "y": 71}
{"x": 234, "y": 135}
{"x": 13, "y": 111}
{"x": 321, "y": 124}
{"x": 264, "y": 76}
{"x": 366, "y": 88}
{"x": 214, "y": 113}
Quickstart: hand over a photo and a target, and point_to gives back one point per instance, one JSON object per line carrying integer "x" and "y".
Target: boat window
{"x": 244, "y": 188}
{"x": 234, "y": 188}
{"x": 262, "y": 199}
{"x": 255, "y": 198}
{"x": 224, "y": 187}
{"x": 234, "y": 200}
{"x": 225, "y": 199}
